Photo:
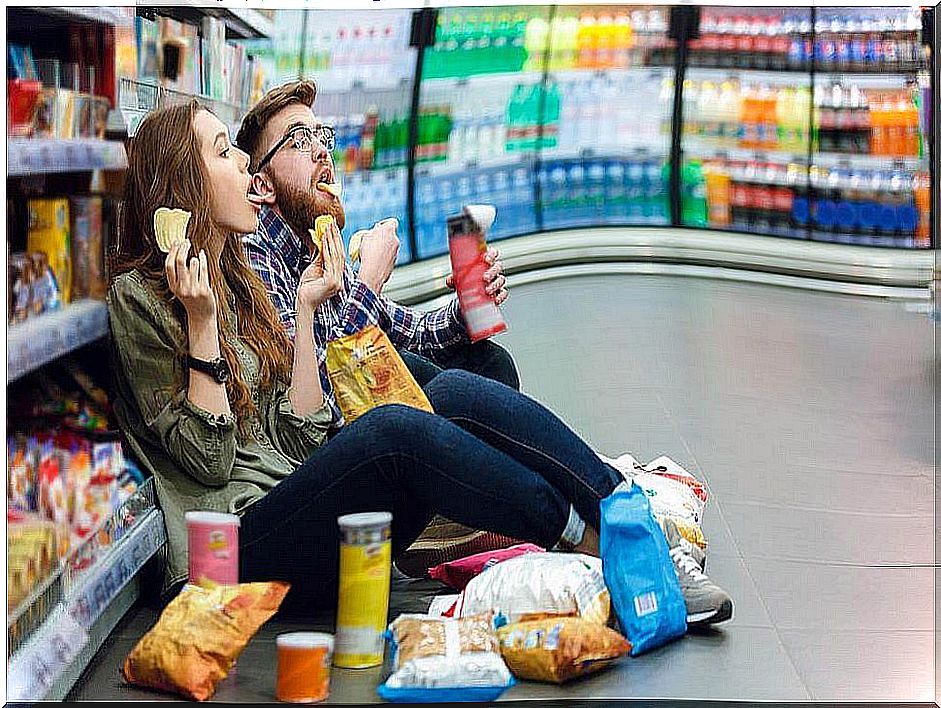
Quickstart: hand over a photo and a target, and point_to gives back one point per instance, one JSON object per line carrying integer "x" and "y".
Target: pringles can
{"x": 365, "y": 574}
{"x": 304, "y": 667}
{"x": 467, "y": 245}
{"x": 213, "y": 547}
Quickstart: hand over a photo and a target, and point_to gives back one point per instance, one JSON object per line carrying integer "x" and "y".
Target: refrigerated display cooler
{"x": 803, "y": 123}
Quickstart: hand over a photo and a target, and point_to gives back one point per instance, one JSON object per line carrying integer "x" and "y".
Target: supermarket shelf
{"x": 138, "y": 98}
{"x": 241, "y": 22}
{"x": 829, "y": 267}
{"x": 706, "y": 148}
{"x": 42, "y": 339}
{"x": 119, "y": 16}
{"x": 525, "y": 77}
{"x": 81, "y": 563}
{"x": 51, "y": 661}
{"x": 29, "y": 156}
{"x": 449, "y": 167}
{"x": 765, "y": 76}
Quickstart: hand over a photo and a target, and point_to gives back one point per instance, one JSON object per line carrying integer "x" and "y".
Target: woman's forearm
{"x": 306, "y": 394}
{"x": 204, "y": 391}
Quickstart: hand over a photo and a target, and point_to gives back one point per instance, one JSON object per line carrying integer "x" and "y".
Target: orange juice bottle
{"x": 586, "y": 42}
{"x": 769, "y": 112}
{"x": 750, "y": 118}
{"x": 718, "y": 185}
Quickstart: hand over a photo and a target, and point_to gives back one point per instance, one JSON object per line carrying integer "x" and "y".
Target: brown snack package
{"x": 199, "y": 636}
{"x": 419, "y": 636}
{"x": 558, "y": 649}
{"x": 366, "y": 371}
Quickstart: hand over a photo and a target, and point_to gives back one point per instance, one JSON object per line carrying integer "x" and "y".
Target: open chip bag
{"x": 366, "y": 371}
{"x": 673, "y": 492}
{"x": 539, "y": 585}
{"x": 439, "y": 659}
{"x": 558, "y": 649}
{"x": 638, "y": 571}
{"x": 199, "y": 636}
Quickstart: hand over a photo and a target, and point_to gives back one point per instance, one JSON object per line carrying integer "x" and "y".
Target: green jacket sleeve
{"x": 146, "y": 339}
{"x": 296, "y": 436}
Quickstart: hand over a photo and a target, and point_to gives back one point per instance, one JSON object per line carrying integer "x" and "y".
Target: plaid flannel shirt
{"x": 279, "y": 258}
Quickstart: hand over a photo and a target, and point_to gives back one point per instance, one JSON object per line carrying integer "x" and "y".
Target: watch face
{"x": 222, "y": 370}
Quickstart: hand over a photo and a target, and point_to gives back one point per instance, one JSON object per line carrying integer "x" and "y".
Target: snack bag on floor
{"x": 638, "y": 571}
{"x": 200, "y": 635}
{"x": 458, "y": 573}
{"x": 540, "y": 585}
{"x": 445, "y": 660}
{"x": 558, "y": 649}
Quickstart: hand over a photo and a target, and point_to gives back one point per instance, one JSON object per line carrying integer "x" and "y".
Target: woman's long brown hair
{"x": 165, "y": 169}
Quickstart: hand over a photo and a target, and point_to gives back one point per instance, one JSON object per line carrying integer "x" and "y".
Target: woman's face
{"x": 233, "y": 209}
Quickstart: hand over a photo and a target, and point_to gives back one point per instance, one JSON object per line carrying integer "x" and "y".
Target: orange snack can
{"x": 304, "y": 660}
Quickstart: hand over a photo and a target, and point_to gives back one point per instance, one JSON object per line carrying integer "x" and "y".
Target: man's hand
{"x": 377, "y": 254}
{"x": 494, "y": 279}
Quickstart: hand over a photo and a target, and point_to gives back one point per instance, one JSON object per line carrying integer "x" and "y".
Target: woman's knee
{"x": 394, "y": 422}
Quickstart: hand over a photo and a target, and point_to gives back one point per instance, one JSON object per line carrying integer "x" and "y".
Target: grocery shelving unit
{"x": 58, "y": 628}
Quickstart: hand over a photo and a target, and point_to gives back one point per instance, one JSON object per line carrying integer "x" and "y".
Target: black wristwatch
{"x": 217, "y": 368}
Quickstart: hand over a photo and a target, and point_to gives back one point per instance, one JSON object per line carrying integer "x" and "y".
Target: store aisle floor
{"x": 811, "y": 418}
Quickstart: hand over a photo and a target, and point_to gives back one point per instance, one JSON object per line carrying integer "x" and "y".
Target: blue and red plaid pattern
{"x": 277, "y": 255}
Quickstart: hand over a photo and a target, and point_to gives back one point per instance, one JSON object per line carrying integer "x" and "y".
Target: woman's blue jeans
{"x": 492, "y": 458}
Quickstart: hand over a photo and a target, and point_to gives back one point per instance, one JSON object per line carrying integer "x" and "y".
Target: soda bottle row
{"x": 885, "y": 123}
{"x": 857, "y": 42}
{"x": 358, "y": 46}
{"x": 590, "y": 192}
{"x": 858, "y": 206}
{"x": 437, "y": 196}
{"x": 532, "y": 117}
{"x": 477, "y": 41}
{"x": 854, "y": 40}
{"x": 369, "y": 197}
{"x": 877, "y": 122}
{"x": 735, "y": 114}
{"x": 746, "y": 41}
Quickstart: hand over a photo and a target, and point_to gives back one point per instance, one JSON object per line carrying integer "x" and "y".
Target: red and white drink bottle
{"x": 467, "y": 244}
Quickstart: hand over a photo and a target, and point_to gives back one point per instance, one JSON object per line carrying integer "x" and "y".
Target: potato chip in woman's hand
{"x": 170, "y": 226}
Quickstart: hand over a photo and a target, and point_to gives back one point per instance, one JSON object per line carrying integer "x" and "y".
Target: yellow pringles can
{"x": 365, "y": 574}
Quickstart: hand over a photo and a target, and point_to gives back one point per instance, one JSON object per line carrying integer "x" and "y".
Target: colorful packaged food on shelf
{"x": 444, "y": 659}
{"x": 49, "y": 233}
{"x": 52, "y": 497}
{"x": 21, "y": 474}
{"x": 558, "y": 649}
{"x": 33, "y": 550}
{"x": 539, "y": 585}
{"x": 199, "y": 636}
{"x": 88, "y": 277}
{"x": 21, "y": 286}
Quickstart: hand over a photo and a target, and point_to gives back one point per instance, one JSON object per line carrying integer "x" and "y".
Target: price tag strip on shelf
{"x": 32, "y": 671}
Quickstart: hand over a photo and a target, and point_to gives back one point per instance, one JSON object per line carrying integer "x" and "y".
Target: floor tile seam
{"x": 751, "y": 579}
{"x": 818, "y": 509}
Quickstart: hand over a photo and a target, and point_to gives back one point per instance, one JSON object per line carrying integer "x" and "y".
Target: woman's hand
{"x": 190, "y": 283}
{"x": 322, "y": 279}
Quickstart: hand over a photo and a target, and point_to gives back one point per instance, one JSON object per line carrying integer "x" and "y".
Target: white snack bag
{"x": 539, "y": 584}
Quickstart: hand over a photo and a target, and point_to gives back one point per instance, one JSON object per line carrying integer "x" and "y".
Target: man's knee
{"x": 502, "y": 367}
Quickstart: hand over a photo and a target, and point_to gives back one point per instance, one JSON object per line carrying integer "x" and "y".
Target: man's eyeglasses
{"x": 303, "y": 139}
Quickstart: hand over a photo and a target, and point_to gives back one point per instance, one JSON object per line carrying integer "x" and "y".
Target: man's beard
{"x": 300, "y": 208}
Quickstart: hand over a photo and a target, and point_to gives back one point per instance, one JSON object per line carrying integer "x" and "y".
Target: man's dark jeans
{"x": 492, "y": 458}
{"x": 485, "y": 358}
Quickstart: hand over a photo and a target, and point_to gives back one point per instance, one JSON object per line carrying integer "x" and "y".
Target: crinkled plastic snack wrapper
{"x": 540, "y": 585}
{"x": 366, "y": 371}
{"x": 200, "y": 635}
{"x": 558, "y": 649}
{"x": 434, "y": 652}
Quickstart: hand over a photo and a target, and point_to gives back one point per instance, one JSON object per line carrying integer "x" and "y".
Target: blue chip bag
{"x": 638, "y": 571}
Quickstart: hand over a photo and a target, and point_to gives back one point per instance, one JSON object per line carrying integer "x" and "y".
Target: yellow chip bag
{"x": 558, "y": 649}
{"x": 366, "y": 371}
{"x": 199, "y": 636}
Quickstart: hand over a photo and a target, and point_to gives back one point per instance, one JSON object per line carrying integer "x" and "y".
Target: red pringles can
{"x": 467, "y": 244}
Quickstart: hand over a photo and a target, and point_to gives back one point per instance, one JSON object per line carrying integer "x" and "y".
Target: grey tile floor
{"x": 811, "y": 418}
